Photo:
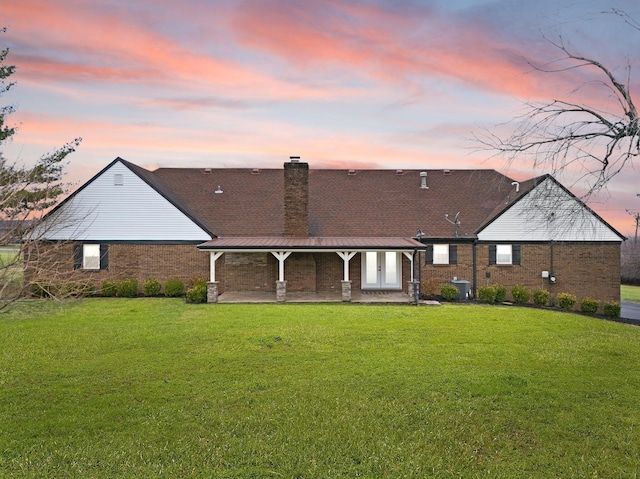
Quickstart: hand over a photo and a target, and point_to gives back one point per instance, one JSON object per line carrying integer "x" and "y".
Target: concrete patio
{"x": 394, "y": 297}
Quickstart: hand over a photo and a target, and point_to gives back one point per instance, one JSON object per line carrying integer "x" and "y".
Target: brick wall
{"x": 433, "y": 276}
{"x": 247, "y": 272}
{"x": 591, "y": 269}
{"x": 329, "y": 272}
{"x": 583, "y": 269}
{"x": 126, "y": 261}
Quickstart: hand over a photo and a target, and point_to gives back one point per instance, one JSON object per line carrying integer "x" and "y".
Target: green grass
{"x": 156, "y": 388}
{"x": 630, "y": 293}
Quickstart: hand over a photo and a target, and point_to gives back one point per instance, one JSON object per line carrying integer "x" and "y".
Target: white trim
{"x": 213, "y": 256}
{"x": 346, "y": 257}
{"x": 281, "y": 256}
{"x": 409, "y": 256}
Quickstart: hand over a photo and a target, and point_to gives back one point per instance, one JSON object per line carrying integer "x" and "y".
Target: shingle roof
{"x": 342, "y": 203}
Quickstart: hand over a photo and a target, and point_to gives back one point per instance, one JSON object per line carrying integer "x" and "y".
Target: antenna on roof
{"x": 456, "y": 219}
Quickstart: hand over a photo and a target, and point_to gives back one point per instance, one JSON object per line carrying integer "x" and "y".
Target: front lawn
{"x": 157, "y": 388}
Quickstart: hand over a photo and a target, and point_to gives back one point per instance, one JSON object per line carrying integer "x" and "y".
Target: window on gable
{"x": 91, "y": 256}
{"x": 504, "y": 254}
{"x": 441, "y": 254}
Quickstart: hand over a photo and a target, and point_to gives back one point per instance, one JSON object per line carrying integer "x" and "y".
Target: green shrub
{"x": 127, "y": 288}
{"x": 541, "y": 297}
{"x": 151, "y": 287}
{"x": 612, "y": 309}
{"x": 520, "y": 294}
{"x": 487, "y": 294}
{"x": 42, "y": 289}
{"x": 589, "y": 305}
{"x": 77, "y": 288}
{"x": 448, "y": 292}
{"x": 198, "y": 292}
{"x": 108, "y": 288}
{"x": 174, "y": 288}
{"x": 566, "y": 300}
{"x": 501, "y": 293}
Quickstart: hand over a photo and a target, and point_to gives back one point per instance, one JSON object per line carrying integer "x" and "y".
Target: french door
{"x": 381, "y": 270}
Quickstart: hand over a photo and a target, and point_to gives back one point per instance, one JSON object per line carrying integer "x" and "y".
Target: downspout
{"x": 475, "y": 269}
{"x": 552, "y": 274}
{"x": 416, "y": 295}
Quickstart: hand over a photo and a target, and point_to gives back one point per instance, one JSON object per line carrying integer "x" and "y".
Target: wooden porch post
{"x": 346, "y": 283}
{"x": 212, "y": 285}
{"x": 281, "y": 284}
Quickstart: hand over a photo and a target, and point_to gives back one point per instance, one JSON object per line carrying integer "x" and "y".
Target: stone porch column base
{"x": 212, "y": 292}
{"x": 346, "y": 291}
{"x": 281, "y": 291}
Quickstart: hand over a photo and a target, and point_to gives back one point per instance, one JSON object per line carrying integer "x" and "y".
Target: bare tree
{"x": 560, "y": 133}
{"x": 26, "y": 194}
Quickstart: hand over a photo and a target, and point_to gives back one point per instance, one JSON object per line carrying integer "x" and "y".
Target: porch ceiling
{"x": 311, "y": 244}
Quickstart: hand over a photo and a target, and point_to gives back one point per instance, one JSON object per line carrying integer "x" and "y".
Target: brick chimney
{"x": 296, "y": 198}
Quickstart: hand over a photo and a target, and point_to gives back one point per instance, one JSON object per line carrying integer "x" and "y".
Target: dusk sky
{"x": 341, "y": 83}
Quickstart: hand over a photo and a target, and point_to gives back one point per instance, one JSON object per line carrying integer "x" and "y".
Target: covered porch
{"x": 387, "y": 297}
{"x": 384, "y": 266}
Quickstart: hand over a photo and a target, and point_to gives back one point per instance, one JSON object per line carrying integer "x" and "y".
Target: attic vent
{"x": 399, "y": 172}
{"x": 118, "y": 179}
{"x": 255, "y": 171}
{"x": 352, "y": 172}
{"x": 207, "y": 171}
{"x": 218, "y": 190}
{"x": 423, "y": 180}
{"x": 446, "y": 172}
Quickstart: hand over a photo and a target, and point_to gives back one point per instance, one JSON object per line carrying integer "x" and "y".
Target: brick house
{"x": 333, "y": 232}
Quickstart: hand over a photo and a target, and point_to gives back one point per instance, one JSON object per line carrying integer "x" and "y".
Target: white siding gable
{"x": 548, "y": 213}
{"x": 119, "y": 206}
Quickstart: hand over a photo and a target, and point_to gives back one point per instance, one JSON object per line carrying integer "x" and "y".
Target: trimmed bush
{"x": 151, "y": 287}
{"x": 589, "y": 305}
{"x": 501, "y": 293}
{"x": 520, "y": 294}
{"x": 612, "y": 309}
{"x": 174, "y": 288}
{"x": 566, "y": 300}
{"x": 127, "y": 288}
{"x": 198, "y": 292}
{"x": 448, "y": 292}
{"x": 487, "y": 294}
{"x": 78, "y": 288}
{"x": 108, "y": 288}
{"x": 42, "y": 289}
{"x": 541, "y": 297}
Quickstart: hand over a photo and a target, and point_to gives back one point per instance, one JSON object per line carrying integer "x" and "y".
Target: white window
{"x": 504, "y": 254}
{"x": 440, "y": 254}
{"x": 91, "y": 256}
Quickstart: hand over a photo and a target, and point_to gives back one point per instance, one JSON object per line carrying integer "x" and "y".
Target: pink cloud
{"x": 114, "y": 48}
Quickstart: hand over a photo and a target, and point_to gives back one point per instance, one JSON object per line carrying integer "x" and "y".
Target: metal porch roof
{"x": 310, "y": 244}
